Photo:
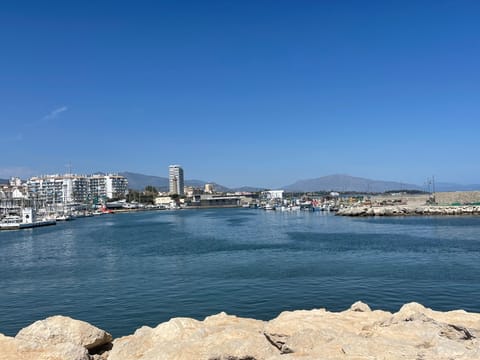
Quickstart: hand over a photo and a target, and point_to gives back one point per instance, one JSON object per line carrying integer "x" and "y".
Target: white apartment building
{"x": 175, "y": 179}
{"x": 273, "y": 194}
{"x": 69, "y": 188}
{"x": 80, "y": 189}
{"x": 50, "y": 189}
{"x": 116, "y": 186}
{"x": 107, "y": 186}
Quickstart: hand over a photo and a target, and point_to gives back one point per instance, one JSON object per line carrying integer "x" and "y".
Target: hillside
{"x": 337, "y": 182}
{"x": 140, "y": 181}
{"x": 348, "y": 183}
{"x": 456, "y": 187}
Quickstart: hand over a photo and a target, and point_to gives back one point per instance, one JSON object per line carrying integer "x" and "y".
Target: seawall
{"x": 414, "y": 332}
{"x": 406, "y": 210}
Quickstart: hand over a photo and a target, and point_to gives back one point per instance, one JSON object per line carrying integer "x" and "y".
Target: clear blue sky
{"x": 242, "y": 92}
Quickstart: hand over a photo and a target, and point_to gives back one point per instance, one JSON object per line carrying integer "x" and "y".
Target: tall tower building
{"x": 175, "y": 179}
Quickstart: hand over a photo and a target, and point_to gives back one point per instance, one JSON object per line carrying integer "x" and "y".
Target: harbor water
{"x": 122, "y": 271}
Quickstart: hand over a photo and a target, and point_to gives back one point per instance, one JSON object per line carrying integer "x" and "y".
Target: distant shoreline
{"x": 405, "y": 210}
{"x": 446, "y": 203}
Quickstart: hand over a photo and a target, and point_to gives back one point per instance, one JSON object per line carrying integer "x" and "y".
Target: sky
{"x": 257, "y": 93}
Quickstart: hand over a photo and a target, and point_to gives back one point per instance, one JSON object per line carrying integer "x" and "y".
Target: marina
{"x": 148, "y": 267}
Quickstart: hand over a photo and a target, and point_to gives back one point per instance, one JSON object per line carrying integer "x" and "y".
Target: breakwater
{"x": 405, "y": 210}
{"x": 414, "y": 332}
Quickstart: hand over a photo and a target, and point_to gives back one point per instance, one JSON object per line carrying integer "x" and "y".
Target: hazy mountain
{"x": 456, "y": 187}
{"x": 326, "y": 183}
{"x": 247, "y": 189}
{"x": 201, "y": 184}
{"x": 348, "y": 183}
{"x": 140, "y": 181}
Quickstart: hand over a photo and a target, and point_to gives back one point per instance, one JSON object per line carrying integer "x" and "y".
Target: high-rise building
{"x": 175, "y": 179}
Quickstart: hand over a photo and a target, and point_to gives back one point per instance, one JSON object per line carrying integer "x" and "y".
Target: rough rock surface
{"x": 62, "y": 329}
{"x": 414, "y": 332}
{"x": 55, "y": 338}
{"x": 404, "y": 210}
{"x": 220, "y": 336}
{"x": 15, "y": 349}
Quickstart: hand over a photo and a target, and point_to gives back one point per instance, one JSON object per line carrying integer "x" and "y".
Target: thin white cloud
{"x": 55, "y": 113}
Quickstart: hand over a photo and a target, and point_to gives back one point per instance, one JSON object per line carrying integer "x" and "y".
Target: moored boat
{"x": 27, "y": 220}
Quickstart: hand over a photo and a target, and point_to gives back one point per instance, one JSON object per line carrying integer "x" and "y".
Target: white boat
{"x": 290, "y": 208}
{"x": 63, "y": 217}
{"x": 10, "y": 222}
{"x": 27, "y": 220}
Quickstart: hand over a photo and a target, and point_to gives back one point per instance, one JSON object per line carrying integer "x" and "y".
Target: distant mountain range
{"x": 340, "y": 182}
{"x": 441, "y": 186}
{"x": 337, "y": 182}
{"x": 139, "y": 181}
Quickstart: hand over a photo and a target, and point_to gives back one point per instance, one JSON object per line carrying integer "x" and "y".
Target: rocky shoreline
{"x": 406, "y": 210}
{"x": 414, "y": 332}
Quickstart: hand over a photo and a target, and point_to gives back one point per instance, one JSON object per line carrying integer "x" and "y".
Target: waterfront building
{"x": 80, "y": 189}
{"x": 190, "y": 191}
{"x": 15, "y": 181}
{"x": 163, "y": 200}
{"x": 71, "y": 188}
{"x": 117, "y": 186}
{"x": 107, "y": 186}
{"x": 209, "y": 188}
{"x": 175, "y": 179}
{"x": 12, "y": 199}
{"x": 215, "y": 201}
{"x": 97, "y": 187}
{"x": 273, "y": 194}
{"x": 50, "y": 189}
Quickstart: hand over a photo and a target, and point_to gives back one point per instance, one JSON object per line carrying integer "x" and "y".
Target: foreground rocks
{"x": 56, "y": 338}
{"x": 414, "y": 332}
{"x": 404, "y": 210}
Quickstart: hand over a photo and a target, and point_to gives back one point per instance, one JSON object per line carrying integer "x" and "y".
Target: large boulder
{"x": 217, "y": 337}
{"x": 320, "y": 334}
{"x": 62, "y": 329}
{"x": 15, "y": 349}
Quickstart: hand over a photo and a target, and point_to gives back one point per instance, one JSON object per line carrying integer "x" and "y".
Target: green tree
{"x": 149, "y": 189}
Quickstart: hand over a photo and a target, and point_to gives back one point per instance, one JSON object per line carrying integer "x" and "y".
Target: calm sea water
{"x": 123, "y": 271}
